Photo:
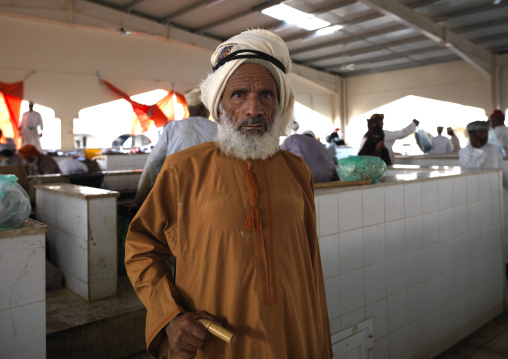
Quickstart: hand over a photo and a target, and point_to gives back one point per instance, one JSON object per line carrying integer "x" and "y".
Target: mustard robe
{"x": 265, "y": 285}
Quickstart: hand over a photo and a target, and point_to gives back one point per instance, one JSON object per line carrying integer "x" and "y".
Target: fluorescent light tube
{"x": 328, "y": 30}
{"x": 295, "y": 17}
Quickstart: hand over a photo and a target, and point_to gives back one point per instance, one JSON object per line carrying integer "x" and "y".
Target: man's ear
{"x": 219, "y": 115}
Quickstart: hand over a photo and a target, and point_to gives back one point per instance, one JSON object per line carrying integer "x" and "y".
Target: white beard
{"x": 235, "y": 143}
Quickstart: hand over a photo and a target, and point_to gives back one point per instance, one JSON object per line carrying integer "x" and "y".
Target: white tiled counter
{"x": 23, "y": 291}
{"x": 418, "y": 254}
{"x": 449, "y": 160}
{"x": 122, "y": 161}
{"x": 122, "y": 180}
{"x": 81, "y": 236}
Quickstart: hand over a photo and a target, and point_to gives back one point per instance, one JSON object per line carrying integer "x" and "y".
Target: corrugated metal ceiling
{"x": 377, "y": 35}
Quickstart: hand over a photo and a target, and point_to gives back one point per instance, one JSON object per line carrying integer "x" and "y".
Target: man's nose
{"x": 253, "y": 106}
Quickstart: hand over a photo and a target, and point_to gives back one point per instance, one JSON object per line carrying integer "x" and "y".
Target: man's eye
{"x": 267, "y": 95}
{"x": 237, "y": 94}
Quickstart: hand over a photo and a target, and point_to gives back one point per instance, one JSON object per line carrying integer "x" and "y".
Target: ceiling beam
{"x": 166, "y": 19}
{"x": 373, "y": 70}
{"x": 400, "y": 55}
{"x": 253, "y": 9}
{"x": 473, "y": 54}
{"x": 130, "y": 5}
{"x": 367, "y": 49}
{"x": 352, "y": 19}
{"x": 472, "y": 10}
{"x": 347, "y": 40}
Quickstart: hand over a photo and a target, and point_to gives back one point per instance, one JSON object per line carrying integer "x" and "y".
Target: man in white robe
{"x": 377, "y": 119}
{"x": 177, "y": 136}
{"x": 501, "y": 131}
{"x": 479, "y": 153}
{"x": 440, "y": 144}
{"x": 31, "y": 124}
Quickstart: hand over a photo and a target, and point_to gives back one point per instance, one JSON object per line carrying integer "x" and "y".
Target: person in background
{"x": 8, "y": 155}
{"x": 314, "y": 154}
{"x": 37, "y": 163}
{"x": 390, "y": 137}
{"x": 177, "y": 136}
{"x": 71, "y": 166}
{"x": 338, "y": 141}
{"x": 440, "y": 144}
{"x": 295, "y": 126}
{"x": 497, "y": 122}
{"x": 31, "y": 124}
{"x": 239, "y": 216}
{"x": 478, "y": 153}
{"x": 374, "y": 145}
{"x": 454, "y": 139}
{"x": 331, "y": 147}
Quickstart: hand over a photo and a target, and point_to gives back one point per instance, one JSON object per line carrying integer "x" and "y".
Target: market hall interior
{"x": 413, "y": 264}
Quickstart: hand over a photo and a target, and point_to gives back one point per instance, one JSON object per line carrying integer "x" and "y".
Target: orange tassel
{"x": 253, "y": 221}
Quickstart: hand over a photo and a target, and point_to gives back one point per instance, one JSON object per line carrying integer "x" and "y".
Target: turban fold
{"x": 28, "y": 151}
{"x": 257, "y": 46}
{"x": 478, "y": 125}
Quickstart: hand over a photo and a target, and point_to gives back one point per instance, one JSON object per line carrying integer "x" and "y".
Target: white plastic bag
{"x": 15, "y": 205}
{"x": 422, "y": 139}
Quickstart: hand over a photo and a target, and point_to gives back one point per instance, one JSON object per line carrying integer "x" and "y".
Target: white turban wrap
{"x": 266, "y": 42}
{"x": 478, "y": 125}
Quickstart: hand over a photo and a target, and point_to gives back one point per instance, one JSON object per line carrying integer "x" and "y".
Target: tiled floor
{"x": 489, "y": 342}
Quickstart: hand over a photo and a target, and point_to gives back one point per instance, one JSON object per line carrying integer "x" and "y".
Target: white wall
{"x": 456, "y": 82}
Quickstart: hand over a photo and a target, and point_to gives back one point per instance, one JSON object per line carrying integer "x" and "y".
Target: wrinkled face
{"x": 250, "y": 99}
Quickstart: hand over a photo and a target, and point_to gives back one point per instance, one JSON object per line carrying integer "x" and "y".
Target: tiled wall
{"x": 122, "y": 182}
{"x": 22, "y": 295}
{"x": 82, "y": 241}
{"x": 422, "y": 259}
{"x": 427, "y": 161}
{"x": 122, "y": 162}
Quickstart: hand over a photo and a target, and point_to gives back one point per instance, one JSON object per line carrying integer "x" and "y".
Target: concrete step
{"x": 111, "y": 328}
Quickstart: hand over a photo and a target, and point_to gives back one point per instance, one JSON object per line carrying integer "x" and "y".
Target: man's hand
{"x": 186, "y": 335}
{"x": 416, "y": 122}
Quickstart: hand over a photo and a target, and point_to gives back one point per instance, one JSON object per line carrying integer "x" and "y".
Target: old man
{"x": 239, "y": 217}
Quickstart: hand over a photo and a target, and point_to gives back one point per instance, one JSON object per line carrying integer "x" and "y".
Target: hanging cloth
{"x": 11, "y": 96}
{"x": 160, "y": 113}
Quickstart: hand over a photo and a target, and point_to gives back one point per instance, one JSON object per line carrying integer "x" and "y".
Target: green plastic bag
{"x": 15, "y": 205}
{"x": 355, "y": 168}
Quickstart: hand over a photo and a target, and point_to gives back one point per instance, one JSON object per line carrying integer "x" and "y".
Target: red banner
{"x": 159, "y": 113}
{"x": 11, "y": 96}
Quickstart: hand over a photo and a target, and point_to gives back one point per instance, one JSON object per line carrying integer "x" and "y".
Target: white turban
{"x": 270, "y": 51}
{"x": 478, "y": 125}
